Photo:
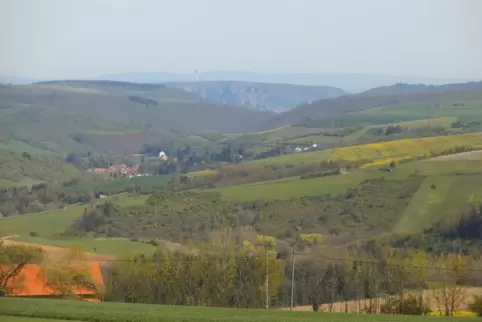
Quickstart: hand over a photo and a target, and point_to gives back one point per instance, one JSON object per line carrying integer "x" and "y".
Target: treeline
{"x": 40, "y": 197}
{"x": 198, "y": 278}
{"x": 227, "y": 274}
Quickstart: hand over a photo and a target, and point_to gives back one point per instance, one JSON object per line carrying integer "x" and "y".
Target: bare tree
{"x": 449, "y": 288}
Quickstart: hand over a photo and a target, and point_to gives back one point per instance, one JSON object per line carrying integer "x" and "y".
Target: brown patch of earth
{"x": 355, "y": 306}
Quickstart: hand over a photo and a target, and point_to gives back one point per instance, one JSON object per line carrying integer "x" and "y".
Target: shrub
{"x": 476, "y": 305}
{"x": 26, "y": 155}
{"x": 33, "y": 234}
{"x": 411, "y": 305}
{"x": 310, "y": 239}
{"x": 153, "y": 242}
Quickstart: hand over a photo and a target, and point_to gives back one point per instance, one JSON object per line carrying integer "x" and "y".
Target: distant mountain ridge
{"x": 350, "y": 82}
{"x": 261, "y": 96}
{"x": 414, "y": 88}
{"x": 354, "y": 83}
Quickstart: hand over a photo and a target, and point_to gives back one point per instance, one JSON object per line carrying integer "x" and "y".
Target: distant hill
{"x": 417, "y": 88}
{"x": 379, "y": 97}
{"x": 262, "y": 96}
{"x": 59, "y": 114}
{"x": 16, "y": 80}
{"x": 353, "y": 83}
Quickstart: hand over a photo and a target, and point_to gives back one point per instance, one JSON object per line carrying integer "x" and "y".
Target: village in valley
{"x": 126, "y": 171}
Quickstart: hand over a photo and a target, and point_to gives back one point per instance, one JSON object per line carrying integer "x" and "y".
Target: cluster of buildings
{"x": 121, "y": 169}
{"x": 124, "y": 170}
{"x": 306, "y": 148}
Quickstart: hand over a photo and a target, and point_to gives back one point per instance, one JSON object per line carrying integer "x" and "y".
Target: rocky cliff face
{"x": 274, "y": 97}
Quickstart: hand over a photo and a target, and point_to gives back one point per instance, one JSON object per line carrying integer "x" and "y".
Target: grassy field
{"x": 115, "y": 186}
{"x": 125, "y": 199}
{"x": 26, "y": 319}
{"x": 445, "y": 122}
{"x": 27, "y": 182}
{"x": 425, "y": 205}
{"x": 45, "y": 224}
{"x": 352, "y": 138}
{"x": 51, "y": 224}
{"x": 294, "y": 187}
{"x": 20, "y": 146}
{"x": 109, "y": 312}
{"x": 110, "y": 247}
{"x": 380, "y": 150}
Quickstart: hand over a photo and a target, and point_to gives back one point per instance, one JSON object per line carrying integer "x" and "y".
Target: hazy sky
{"x": 87, "y": 38}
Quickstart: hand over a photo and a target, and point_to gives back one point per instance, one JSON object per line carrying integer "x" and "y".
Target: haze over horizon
{"x": 55, "y": 39}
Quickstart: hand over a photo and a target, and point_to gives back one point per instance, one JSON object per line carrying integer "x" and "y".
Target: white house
{"x": 163, "y": 155}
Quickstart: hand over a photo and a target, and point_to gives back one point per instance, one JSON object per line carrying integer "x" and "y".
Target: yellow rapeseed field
{"x": 418, "y": 147}
{"x": 386, "y": 162}
{"x": 456, "y": 313}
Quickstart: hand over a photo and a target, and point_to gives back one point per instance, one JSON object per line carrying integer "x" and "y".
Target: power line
{"x": 252, "y": 256}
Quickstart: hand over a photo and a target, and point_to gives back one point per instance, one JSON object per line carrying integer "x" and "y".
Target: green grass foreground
{"x": 107, "y": 312}
{"x": 28, "y": 319}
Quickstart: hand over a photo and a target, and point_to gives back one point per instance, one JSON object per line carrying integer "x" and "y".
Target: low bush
{"x": 476, "y": 305}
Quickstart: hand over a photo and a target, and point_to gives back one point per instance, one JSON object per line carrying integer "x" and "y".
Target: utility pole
{"x": 376, "y": 286}
{"x": 333, "y": 281}
{"x": 267, "y": 277}
{"x": 292, "y": 278}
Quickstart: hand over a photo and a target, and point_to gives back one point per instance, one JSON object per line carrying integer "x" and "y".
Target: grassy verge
{"x": 118, "y": 312}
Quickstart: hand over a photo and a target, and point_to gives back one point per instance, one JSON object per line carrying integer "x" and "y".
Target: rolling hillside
{"x": 380, "y": 98}
{"x": 140, "y": 107}
{"x": 26, "y": 169}
{"x": 260, "y": 96}
{"x": 101, "y": 116}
